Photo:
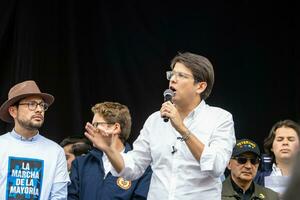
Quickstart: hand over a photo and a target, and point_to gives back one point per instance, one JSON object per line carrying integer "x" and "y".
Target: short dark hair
{"x": 201, "y": 68}
{"x": 79, "y": 148}
{"x": 268, "y": 142}
{"x": 73, "y": 140}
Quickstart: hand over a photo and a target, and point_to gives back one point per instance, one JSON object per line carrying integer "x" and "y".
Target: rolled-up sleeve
{"x": 137, "y": 160}
{"x": 218, "y": 149}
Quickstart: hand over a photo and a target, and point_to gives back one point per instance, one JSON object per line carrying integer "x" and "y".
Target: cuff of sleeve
{"x": 207, "y": 160}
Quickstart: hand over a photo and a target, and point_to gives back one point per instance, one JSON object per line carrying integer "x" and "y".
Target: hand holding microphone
{"x": 168, "y": 95}
{"x": 169, "y": 111}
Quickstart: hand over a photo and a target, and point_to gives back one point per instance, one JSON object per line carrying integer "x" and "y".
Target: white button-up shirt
{"x": 276, "y": 181}
{"x": 276, "y": 171}
{"x": 107, "y": 164}
{"x": 177, "y": 175}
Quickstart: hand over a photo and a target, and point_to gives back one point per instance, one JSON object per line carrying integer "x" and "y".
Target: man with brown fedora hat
{"x": 32, "y": 166}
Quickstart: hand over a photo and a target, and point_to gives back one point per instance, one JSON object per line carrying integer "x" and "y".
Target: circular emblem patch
{"x": 262, "y": 196}
{"x": 122, "y": 183}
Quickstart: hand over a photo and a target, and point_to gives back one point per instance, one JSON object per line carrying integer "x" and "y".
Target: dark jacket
{"x": 88, "y": 182}
{"x": 265, "y": 169}
{"x": 260, "y": 177}
{"x": 260, "y": 193}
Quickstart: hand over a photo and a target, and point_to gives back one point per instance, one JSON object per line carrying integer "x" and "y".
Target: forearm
{"x": 194, "y": 144}
{"x": 115, "y": 158}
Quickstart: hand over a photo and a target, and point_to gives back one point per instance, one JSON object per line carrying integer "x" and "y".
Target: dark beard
{"x": 29, "y": 125}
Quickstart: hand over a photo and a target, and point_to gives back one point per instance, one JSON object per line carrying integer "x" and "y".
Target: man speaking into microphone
{"x": 187, "y": 143}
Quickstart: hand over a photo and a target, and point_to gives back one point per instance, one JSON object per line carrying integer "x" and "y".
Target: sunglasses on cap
{"x": 243, "y": 160}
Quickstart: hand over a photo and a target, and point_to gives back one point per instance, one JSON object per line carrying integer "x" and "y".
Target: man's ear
{"x": 201, "y": 87}
{"x": 12, "y": 111}
{"x": 117, "y": 128}
{"x": 229, "y": 165}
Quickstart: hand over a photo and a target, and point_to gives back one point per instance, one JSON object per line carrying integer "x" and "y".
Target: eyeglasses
{"x": 243, "y": 160}
{"x": 96, "y": 124}
{"x": 179, "y": 75}
{"x": 32, "y": 105}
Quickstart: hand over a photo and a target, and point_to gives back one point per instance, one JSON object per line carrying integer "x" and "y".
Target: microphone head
{"x": 168, "y": 94}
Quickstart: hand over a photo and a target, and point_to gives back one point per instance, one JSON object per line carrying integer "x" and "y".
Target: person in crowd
{"x": 90, "y": 174}
{"x": 189, "y": 149}
{"x": 243, "y": 167}
{"x": 75, "y": 146}
{"x": 32, "y": 166}
{"x": 282, "y": 145}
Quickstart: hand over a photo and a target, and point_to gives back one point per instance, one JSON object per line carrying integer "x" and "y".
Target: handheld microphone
{"x": 168, "y": 94}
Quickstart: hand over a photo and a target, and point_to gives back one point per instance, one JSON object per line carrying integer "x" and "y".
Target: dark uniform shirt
{"x": 230, "y": 191}
{"x": 243, "y": 196}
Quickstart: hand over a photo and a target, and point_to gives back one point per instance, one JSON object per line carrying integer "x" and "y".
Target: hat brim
{"x": 4, "y": 114}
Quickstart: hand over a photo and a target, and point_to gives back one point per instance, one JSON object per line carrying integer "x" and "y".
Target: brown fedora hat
{"x": 18, "y": 92}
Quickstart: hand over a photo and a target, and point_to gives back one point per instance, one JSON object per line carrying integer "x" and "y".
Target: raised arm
{"x": 106, "y": 142}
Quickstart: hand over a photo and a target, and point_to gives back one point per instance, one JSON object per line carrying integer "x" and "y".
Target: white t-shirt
{"x": 29, "y": 168}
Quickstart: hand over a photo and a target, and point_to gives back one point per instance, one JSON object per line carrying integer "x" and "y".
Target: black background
{"x": 84, "y": 52}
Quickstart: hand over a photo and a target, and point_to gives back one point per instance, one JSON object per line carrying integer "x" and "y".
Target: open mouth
{"x": 173, "y": 89}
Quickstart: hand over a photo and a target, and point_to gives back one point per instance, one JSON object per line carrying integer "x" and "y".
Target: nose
{"x": 285, "y": 141}
{"x": 40, "y": 108}
{"x": 173, "y": 78}
{"x": 248, "y": 164}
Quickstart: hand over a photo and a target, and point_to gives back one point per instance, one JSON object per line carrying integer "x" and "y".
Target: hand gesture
{"x": 102, "y": 138}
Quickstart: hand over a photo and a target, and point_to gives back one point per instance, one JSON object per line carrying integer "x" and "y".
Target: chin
{"x": 37, "y": 125}
{"x": 286, "y": 157}
{"x": 247, "y": 178}
{"x": 174, "y": 98}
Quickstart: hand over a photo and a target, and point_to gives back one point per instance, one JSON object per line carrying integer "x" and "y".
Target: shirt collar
{"x": 197, "y": 109}
{"x": 276, "y": 170}
{"x": 240, "y": 191}
{"x": 17, "y": 136}
{"x": 105, "y": 158}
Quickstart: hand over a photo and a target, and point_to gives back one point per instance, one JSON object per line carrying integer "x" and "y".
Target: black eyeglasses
{"x": 243, "y": 160}
{"x": 96, "y": 124}
{"x": 32, "y": 105}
